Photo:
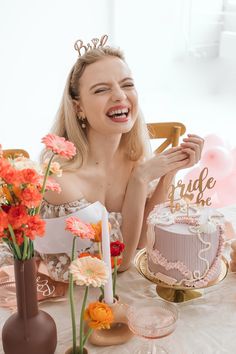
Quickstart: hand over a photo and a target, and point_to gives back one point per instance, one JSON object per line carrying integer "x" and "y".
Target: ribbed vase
{"x": 29, "y": 330}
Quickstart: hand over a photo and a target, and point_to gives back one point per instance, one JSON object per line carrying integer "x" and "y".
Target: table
{"x": 206, "y": 325}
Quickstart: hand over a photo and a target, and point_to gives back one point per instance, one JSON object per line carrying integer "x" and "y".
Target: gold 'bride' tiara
{"x": 82, "y": 48}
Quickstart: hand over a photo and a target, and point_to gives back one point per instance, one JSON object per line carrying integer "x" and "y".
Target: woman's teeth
{"x": 119, "y": 113}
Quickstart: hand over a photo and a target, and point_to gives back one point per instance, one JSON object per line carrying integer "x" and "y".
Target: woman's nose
{"x": 118, "y": 94}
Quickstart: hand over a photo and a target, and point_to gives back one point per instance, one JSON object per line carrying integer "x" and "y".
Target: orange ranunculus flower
{"x": 86, "y": 254}
{"x": 98, "y": 231}
{"x": 99, "y": 315}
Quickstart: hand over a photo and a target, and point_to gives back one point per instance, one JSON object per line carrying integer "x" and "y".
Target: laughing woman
{"x": 100, "y": 114}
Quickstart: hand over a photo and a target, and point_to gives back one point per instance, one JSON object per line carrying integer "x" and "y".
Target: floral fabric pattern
{"x": 58, "y": 264}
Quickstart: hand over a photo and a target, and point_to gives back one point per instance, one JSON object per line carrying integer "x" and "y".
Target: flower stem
{"x": 100, "y": 250}
{"x": 72, "y": 303}
{"x": 73, "y": 249}
{"x": 31, "y": 250}
{"x": 25, "y": 248}
{"x": 82, "y": 342}
{"x": 16, "y": 247}
{"x": 102, "y": 291}
{"x": 114, "y": 276}
{"x": 88, "y": 334}
{"x": 44, "y": 182}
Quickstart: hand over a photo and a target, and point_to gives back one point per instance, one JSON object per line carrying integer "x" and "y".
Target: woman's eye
{"x": 128, "y": 85}
{"x": 102, "y": 89}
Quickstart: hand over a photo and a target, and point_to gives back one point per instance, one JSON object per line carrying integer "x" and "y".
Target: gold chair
{"x": 171, "y": 131}
{"x": 13, "y": 153}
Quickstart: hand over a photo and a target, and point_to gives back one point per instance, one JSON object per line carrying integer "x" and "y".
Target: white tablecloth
{"x": 206, "y": 325}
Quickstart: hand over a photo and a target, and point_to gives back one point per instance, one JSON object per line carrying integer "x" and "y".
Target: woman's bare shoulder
{"x": 69, "y": 189}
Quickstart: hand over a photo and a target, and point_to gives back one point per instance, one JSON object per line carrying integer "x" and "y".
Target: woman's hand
{"x": 192, "y": 146}
{"x": 170, "y": 160}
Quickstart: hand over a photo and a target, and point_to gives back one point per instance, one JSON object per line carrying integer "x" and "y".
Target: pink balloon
{"x": 219, "y": 162}
{"x": 226, "y": 190}
{"x": 233, "y": 153}
{"x": 212, "y": 140}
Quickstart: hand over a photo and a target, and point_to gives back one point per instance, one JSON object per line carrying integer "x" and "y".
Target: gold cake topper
{"x": 186, "y": 192}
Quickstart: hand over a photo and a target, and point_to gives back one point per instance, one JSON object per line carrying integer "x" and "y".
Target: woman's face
{"x": 108, "y": 97}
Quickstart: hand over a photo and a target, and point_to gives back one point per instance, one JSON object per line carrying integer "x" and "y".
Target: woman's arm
{"x": 192, "y": 146}
{"x": 133, "y": 210}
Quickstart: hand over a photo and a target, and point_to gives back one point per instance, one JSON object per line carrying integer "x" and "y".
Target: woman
{"x": 100, "y": 114}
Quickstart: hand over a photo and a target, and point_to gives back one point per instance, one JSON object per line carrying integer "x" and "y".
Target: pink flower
{"x": 79, "y": 228}
{"x": 54, "y": 168}
{"x": 51, "y": 185}
{"x": 59, "y": 145}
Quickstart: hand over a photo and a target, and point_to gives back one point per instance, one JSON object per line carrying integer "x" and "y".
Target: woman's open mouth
{"x": 118, "y": 115}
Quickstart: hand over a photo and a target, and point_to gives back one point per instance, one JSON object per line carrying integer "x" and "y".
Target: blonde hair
{"x": 135, "y": 142}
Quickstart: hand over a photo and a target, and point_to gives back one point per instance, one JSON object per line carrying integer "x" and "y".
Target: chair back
{"x": 13, "y": 153}
{"x": 170, "y": 131}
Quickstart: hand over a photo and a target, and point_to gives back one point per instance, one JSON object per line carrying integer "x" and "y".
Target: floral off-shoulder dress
{"x": 57, "y": 264}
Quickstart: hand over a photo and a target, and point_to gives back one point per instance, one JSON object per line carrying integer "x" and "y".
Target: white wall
{"x": 172, "y": 47}
{"x": 36, "y": 53}
{"x": 166, "y": 44}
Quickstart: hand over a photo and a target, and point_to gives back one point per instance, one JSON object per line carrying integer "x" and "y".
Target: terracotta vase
{"x": 28, "y": 330}
{"x": 118, "y": 333}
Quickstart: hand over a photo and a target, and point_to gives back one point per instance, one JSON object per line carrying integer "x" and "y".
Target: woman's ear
{"x": 78, "y": 109}
{"x": 76, "y": 105}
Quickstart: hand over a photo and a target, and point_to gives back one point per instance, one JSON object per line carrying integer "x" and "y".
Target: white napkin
{"x": 57, "y": 240}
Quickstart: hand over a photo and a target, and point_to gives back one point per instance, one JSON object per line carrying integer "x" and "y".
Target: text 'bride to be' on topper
{"x": 187, "y": 192}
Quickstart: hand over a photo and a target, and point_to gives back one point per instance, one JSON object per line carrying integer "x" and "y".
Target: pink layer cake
{"x": 184, "y": 248}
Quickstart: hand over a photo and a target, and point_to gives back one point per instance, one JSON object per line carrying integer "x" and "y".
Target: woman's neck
{"x": 104, "y": 149}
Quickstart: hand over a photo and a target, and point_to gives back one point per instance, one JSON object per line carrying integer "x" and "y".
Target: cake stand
{"x": 175, "y": 293}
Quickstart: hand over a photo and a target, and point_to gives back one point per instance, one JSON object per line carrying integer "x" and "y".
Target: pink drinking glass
{"x": 151, "y": 319}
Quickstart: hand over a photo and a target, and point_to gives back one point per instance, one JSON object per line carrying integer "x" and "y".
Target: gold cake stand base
{"x": 175, "y": 293}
